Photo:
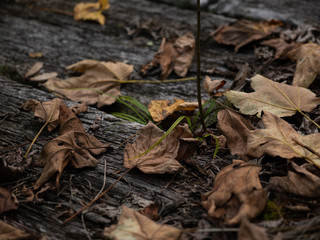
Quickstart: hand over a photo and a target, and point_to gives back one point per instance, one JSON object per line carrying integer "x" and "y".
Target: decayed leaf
{"x": 173, "y": 55}
{"x": 212, "y": 85}
{"x": 277, "y": 139}
{"x": 250, "y": 231}
{"x": 34, "y": 69}
{"x": 280, "y": 99}
{"x": 283, "y": 49}
{"x": 98, "y": 76}
{"x": 7, "y": 201}
{"x": 243, "y": 32}
{"x": 91, "y": 11}
{"x": 237, "y": 193}
{"x": 73, "y": 146}
{"x": 160, "y": 109}
{"x": 10, "y": 232}
{"x": 162, "y": 158}
{"x": 236, "y": 129}
{"x": 308, "y": 64}
{"x": 43, "y": 77}
{"x": 134, "y": 226}
{"x": 299, "y": 181}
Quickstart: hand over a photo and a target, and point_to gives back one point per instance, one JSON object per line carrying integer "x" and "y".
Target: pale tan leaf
{"x": 162, "y": 158}
{"x": 237, "y": 193}
{"x": 134, "y": 226}
{"x": 97, "y": 77}
{"x": 236, "y": 129}
{"x": 277, "y": 140}
{"x": 34, "y": 69}
{"x": 43, "y": 77}
{"x": 160, "y": 109}
{"x": 278, "y": 98}
{"x": 301, "y": 181}
{"x": 308, "y": 64}
{"x": 212, "y": 85}
{"x": 242, "y": 32}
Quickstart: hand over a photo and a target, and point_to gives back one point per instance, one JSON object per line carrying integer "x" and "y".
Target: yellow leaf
{"x": 91, "y": 11}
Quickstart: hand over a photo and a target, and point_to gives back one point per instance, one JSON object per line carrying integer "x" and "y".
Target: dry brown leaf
{"x": 242, "y": 32}
{"x": 283, "y": 49}
{"x": 98, "y": 76}
{"x": 280, "y": 99}
{"x": 160, "y": 109}
{"x": 299, "y": 181}
{"x": 173, "y": 55}
{"x": 8, "y": 232}
{"x": 277, "y": 140}
{"x": 7, "y": 201}
{"x": 308, "y": 64}
{"x": 34, "y": 69}
{"x": 237, "y": 193}
{"x": 43, "y": 77}
{"x": 91, "y": 11}
{"x": 236, "y": 130}
{"x": 250, "y": 231}
{"x": 212, "y": 85}
{"x": 162, "y": 158}
{"x": 73, "y": 146}
{"x": 134, "y": 226}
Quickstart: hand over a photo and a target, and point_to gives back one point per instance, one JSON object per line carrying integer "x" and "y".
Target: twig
{"x": 84, "y": 226}
{"x": 104, "y": 179}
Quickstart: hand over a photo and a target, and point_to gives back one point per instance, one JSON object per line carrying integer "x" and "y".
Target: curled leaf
{"x": 34, "y": 69}
{"x": 135, "y": 226}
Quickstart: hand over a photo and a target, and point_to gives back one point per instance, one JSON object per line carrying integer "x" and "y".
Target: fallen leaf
{"x": 277, "y": 139}
{"x": 280, "y": 99}
{"x": 299, "y": 181}
{"x": 73, "y": 146}
{"x": 212, "y": 85}
{"x": 160, "y": 109}
{"x": 162, "y": 158}
{"x": 173, "y": 55}
{"x": 283, "y": 49}
{"x": 10, "y": 232}
{"x": 133, "y": 225}
{"x": 98, "y": 76}
{"x": 34, "y": 69}
{"x": 43, "y": 77}
{"x": 308, "y": 64}
{"x": 91, "y": 11}
{"x": 250, "y": 231}
{"x": 35, "y": 54}
{"x": 242, "y": 32}
{"x": 236, "y": 129}
{"x": 237, "y": 193}
{"x": 7, "y": 201}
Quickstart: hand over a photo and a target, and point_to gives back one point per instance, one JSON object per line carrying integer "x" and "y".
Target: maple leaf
{"x": 100, "y": 76}
{"x": 73, "y": 146}
{"x": 279, "y": 139}
{"x": 91, "y": 11}
{"x": 160, "y": 109}
{"x": 173, "y": 55}
{"x": 280, "y": 99}
{"x": 133, "y": 225}
{"x": 161, "y": 159}
{"x": 242, "y": 32}
{"x": 237, "y": 193}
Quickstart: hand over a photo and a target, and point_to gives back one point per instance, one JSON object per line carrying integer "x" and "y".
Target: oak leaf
{"x": 97, "y": 77}
{"x": 280, "y": 139}
{"x": 135, "y": 226}
{"x": 280, "y": 99}
{"x": 161, "y": 159}
{"x": 73, "y": 146}
{"x": 301, "y": 180}
{"x": 173, "y": 55}
{"x": 160, "y": 109}
{"x": 91, "y": 11}
{"x": 236, "y": 129}
{"x": 242, "y": 32}
{"x": 237, "y": 193}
